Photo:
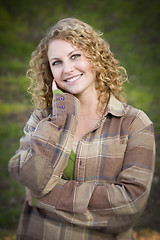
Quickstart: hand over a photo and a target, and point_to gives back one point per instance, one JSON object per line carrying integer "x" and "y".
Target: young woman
{"x": 86, "y": 158}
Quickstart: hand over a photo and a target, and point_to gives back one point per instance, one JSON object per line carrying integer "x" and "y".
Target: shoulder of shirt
{"x": 120, "y": 109}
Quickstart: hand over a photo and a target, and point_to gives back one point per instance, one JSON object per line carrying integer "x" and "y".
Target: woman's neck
{"x": 89, "y": 104}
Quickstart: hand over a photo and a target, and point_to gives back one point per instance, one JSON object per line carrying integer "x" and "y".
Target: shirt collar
{"x": 115, "y": 107}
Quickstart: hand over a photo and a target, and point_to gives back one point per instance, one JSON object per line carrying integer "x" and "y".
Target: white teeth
{"x": 73, "y": 79}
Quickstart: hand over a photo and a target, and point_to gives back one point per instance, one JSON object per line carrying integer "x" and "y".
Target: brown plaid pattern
{"x": 113, "y": 172}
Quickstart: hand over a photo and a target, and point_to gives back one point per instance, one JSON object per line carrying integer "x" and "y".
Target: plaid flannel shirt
{"x": 113, "y": 172}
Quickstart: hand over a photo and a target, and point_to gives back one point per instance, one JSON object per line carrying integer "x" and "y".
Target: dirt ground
{"x": 146, "y": 235}
{"x": 140, "y": 235}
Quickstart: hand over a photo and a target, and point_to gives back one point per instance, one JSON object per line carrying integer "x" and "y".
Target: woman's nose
{"x": 68, "y": 67}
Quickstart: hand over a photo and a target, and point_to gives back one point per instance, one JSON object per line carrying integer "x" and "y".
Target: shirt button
{"x": 62, "y": 107}
{"x": 61, "y": 98}
{"x": 59, "y": 128}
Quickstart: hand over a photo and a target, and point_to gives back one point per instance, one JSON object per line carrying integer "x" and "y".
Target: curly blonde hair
{"x": 109, "y": 75}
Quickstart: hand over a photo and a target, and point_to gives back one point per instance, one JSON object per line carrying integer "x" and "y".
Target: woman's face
{"x": 70, "y": 68}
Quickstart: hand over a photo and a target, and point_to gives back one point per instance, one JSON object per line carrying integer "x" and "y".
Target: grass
{"x": 14, "y": 108}
{"x": 12, "y": 192}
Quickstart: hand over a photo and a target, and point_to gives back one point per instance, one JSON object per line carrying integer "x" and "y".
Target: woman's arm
{"x": 46, "y": 146}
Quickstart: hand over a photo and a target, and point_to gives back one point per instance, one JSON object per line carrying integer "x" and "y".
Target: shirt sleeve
{"x": 46, "y": 145}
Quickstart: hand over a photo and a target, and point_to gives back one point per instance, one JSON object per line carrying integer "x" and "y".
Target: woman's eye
{"x": 75, "y": 56}
{"x": 56, "y": 63}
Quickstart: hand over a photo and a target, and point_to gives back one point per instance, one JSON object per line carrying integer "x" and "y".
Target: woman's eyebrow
{"x": 56, "y": 58}
{"x": 72, "y": 52}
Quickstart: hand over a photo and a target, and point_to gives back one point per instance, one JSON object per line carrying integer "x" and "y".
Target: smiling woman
{"x": 82, "y": 37}
{"x": 86, "y": 158}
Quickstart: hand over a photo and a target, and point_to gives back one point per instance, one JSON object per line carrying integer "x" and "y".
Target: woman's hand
{"x": 54, "y": 85}
{"x": 28, "y": 197}
{"x": 55, "y": 88}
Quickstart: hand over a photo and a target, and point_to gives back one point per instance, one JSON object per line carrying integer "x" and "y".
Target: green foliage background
{"x": 132, "y": 29}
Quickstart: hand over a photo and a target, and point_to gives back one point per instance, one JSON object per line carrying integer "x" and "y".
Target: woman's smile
{"x": 72, "y": 80}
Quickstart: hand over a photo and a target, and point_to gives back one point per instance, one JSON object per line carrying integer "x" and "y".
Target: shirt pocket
{"x": 114, "y": 148}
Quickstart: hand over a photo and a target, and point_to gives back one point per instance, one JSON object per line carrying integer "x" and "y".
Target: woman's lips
{"x": 72, "y": 79}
